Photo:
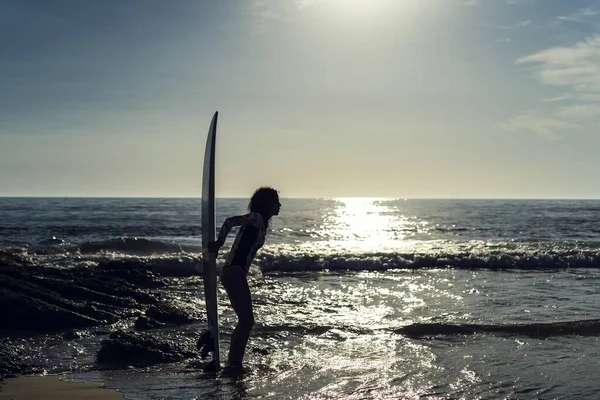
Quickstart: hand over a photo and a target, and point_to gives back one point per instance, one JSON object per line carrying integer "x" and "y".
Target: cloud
{"x": 575, "y": 69}
{"x": 577, "y": 66}
{"x": 262, "y": 14}
{"x": 581, "y": 16}
{"x": 572, "y": 55}
{"x": 504, "y": 28}
{"x": 520, "y": 24}
{"x": 523, "y": 23}
{"x": 301, "y": 4}
{"x": 544, "y": 127}
{"x": 520, "y": 2}
{"x": 470, "y": 2}
{"x": 555, "y": 99}
{"x": 593, "y": 97}
{"x": 585, "y": 97}
{"x": 577, "y": 76}
{"x": 581, "y": 111}
{"x": 268, "y": 15}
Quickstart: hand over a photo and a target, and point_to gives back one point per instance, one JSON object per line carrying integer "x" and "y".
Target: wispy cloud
{"x": 555, "y": 99}
{"x": 585, "y": 97}
{"x": 577, "y": 66}
{"x": 470, "y": 2}
{"x": 301, "y": 4}
{"x": 542, "y": 126}
{"x": 262, "y": 13}
{"x": 581, "y": 111}
{"x": 593, "y": 97}
{"x": 523, "y": 23}
{"x": 505, "y": 38}
{"x": 520, "y": 2}
{"x": 520, "y": 24}
{"x": 581, "y": 16}
{"x": 268, "y": 15}
{"x": 575, "y": 69}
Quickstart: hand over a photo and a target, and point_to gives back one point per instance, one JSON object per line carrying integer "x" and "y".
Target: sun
{"x": 360, "y": 7}
{"x": 369, "y": 12}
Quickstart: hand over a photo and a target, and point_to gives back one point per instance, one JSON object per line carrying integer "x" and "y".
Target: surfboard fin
{"x": 205, "y": 344}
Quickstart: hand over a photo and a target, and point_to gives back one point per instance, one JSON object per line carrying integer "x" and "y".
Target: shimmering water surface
{"x": 336, "y": 287}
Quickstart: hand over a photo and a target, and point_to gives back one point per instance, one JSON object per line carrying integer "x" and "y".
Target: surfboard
{"x": 209, "y": 262}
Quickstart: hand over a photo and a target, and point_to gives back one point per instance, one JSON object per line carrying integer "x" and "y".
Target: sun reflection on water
{"x": 367, "y": 223}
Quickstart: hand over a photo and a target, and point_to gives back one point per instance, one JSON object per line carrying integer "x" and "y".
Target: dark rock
{"x": 28, "y": 312}
{"x": 138, "y": 272}
{"x": 45, "y": 299}
{"x": 10, "y": 364}
{"x": 144, "y": 323}
{"x": 75, "y": 334}
{"x": 139, "y": 350}
{"x": 35, "y": 298}
{"x": 261, "y": 350}
{"x": 169, "y": 313}
{"x": 159, "y": 315}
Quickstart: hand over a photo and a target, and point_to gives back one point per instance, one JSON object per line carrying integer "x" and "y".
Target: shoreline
{"x": 51, "y": 387}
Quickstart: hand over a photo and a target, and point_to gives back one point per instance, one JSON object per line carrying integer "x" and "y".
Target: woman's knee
{"x": 247, "y": 321}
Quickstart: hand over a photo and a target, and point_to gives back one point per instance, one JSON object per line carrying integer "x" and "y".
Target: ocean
{"x": 354, "y": 298}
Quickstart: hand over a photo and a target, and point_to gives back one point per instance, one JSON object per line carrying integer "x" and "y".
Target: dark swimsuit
{"x": 248, "y": 240}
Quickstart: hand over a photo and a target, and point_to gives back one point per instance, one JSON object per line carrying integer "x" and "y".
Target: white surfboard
{"x": 209, "y": 264}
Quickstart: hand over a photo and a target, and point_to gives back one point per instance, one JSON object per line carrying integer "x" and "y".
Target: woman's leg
{"x": 235, "y": 283}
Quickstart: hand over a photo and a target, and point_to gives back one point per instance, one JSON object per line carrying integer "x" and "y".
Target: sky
{"x": 317, "y": 98}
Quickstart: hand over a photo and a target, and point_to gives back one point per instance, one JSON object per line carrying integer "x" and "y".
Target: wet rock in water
{"x": 47, "y": 313}
{"x": 138, "y": 272}
{"x": 149, "y": 268}
{"x": 263, "y": 351}
{"x": 10, "y": 364}
{"x": 159, "y": 315}
{"x": 73, "y": 334}
{"x": 42, "y": 299}
{"x": 171, "y": 313}
{"x": 144, "y": 323}
{"x": 139, "y": 350}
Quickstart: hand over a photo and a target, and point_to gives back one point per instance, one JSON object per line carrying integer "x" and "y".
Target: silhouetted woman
{"x": 264, "y": 204}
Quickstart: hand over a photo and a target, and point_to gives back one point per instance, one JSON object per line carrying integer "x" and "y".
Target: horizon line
{"x": 296, "y": 198}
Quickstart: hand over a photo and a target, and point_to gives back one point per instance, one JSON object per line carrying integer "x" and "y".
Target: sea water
{"x": 354, "y": 298}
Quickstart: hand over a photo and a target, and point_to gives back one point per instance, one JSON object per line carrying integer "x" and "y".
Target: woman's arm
{"x": 224, "y": 231}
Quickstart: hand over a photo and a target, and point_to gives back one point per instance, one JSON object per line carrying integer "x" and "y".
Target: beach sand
{"x": 50, "y": 387}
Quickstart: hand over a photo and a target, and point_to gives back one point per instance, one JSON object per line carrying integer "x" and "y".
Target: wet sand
{"x": 50, "y": 387}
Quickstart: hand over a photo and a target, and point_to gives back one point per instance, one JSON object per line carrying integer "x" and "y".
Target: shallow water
{"x": 332, "y": 336}
{"x": 336, "y": 289}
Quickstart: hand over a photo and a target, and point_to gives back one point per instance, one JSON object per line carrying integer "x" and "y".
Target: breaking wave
{"x": 171, "y": 258}
{"x": 131, "y": 245}
{"x": 386, "y": 261}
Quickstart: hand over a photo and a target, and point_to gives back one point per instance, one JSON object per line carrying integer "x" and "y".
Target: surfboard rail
{"x": 209, "y": 264}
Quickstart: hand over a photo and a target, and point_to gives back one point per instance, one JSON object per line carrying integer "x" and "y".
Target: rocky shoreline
{"x": 35, "y": 300}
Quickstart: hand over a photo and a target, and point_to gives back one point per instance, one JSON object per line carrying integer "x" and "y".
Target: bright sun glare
{"x": 363, "y": 222}
{"x": 371, "y": 12}
{"x": 359, "y": 8}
